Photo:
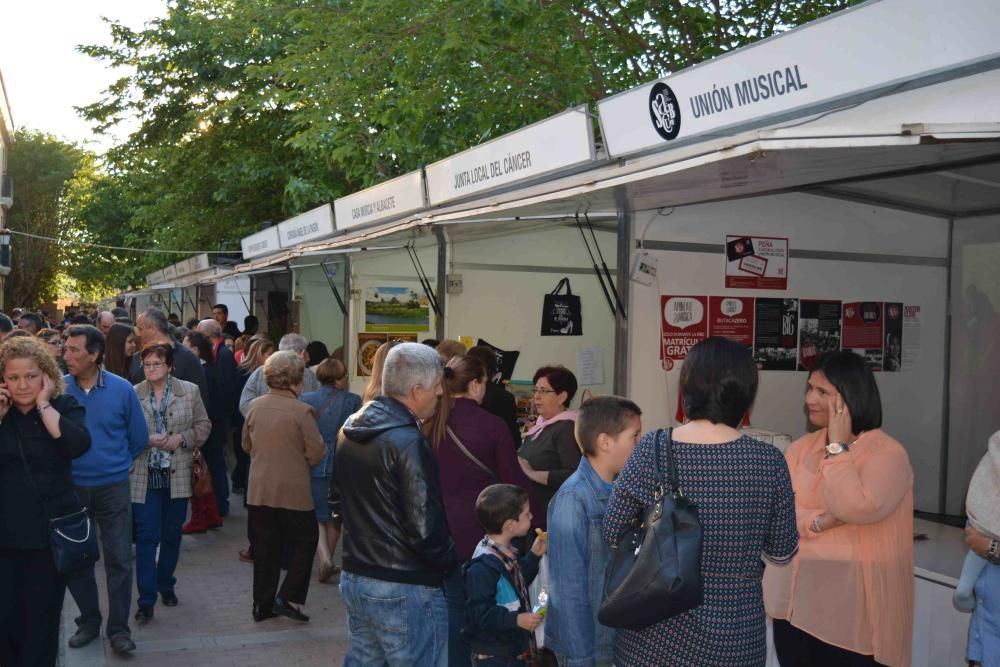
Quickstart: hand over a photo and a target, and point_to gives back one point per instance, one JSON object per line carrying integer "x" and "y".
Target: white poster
{"x": 911, "y": 337}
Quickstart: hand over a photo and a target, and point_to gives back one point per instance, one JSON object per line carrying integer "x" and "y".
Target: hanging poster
{"x": 731, "y": 317}
{"x": 395, "y": 308}
{"x": 892, "y": 356}
{"x": 776, "y": 334}
{"x": 368, "y": 345}
{"x": 863, "y": 331}
{"x": 819, "y": 330}
{"x": 756, "y": 262}
{"x": 683, "y": 324}
{"x": 911, "y": 336}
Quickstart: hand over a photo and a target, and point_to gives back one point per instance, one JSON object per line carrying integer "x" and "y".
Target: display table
{"x": 779, "y": 440}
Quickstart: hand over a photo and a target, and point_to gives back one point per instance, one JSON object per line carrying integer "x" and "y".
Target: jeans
{"x": 111, "y": 506}
{"x": 454, "y": 593}
{"x": 215, "y": 459}
{"x": 395, "y": 625}
{"x": 158, "y": 523}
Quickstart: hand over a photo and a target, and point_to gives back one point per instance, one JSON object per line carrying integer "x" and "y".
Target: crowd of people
{"x": 462, "y": 529}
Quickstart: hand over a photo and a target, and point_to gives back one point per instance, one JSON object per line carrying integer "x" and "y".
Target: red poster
{"x": 756, "y": 262}
{"x": 731, "y": 317}
{"x": 683, "y": 324}
{"x": 863, "y": 332}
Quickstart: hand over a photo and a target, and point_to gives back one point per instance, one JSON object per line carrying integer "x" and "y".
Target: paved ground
{"x": 212, "y": 625}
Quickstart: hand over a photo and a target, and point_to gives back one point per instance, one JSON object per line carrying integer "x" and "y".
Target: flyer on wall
{"x": 683, "y": 324}
{"x": 911, "y": 337}
{"x": 892, "y": 355}
{"x": 732, "y": 318}
{"x": 776, "y": 334}
{"x": 756, "y": 262}
{"x": 863, "y": 331}
{"x": 819, "y": 330}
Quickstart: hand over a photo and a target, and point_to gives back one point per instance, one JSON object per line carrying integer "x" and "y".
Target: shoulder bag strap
{"x": 482, "y": 466}
{"x": 674, "y": 484}
{"x": 24, "y": 460}
{"x": 569, "y": 291}
{"x": 559, "y": 286}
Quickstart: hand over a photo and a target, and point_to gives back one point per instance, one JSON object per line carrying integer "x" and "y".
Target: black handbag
{"x": 72, "y": 538}
{"x": 561, "y": 314}
{"x": 655, "y": 569}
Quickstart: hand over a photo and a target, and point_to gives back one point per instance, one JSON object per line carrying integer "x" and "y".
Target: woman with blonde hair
{"x": 42, "y": 429}
{"x": 374, "y": 387}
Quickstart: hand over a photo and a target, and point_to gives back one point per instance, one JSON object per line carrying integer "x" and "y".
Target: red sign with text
{"x": 731, "y": 317}
{"x": 683, "y": 324}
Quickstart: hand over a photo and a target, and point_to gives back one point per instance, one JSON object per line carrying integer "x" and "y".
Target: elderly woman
{"x": 847, "y": 599}
{"x": 160, "y": 478}
{"x": 283, "y": 441}
{"x": 334, "y": 406}
{"x": 550, "y": 454}
{"x": 41, "y": 431}
{"x": 744, "y": 498}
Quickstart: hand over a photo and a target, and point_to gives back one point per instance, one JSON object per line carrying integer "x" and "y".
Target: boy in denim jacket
{"x": 607, "y": 429}
{"x": 499, "y": 624}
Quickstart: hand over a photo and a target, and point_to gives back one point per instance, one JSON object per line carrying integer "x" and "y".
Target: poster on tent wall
{"x": 756, "y": 262}
{"x": 683, "y": 324}
{"x": 892, "y": 354}
{"x": 911, "y": 337}
{"x": 863, "y": 331}
{"x": 731, "y": 317}
{"x": 776, "y": 328}
{"x": 396, "y": 309}
{"x": 819, "y": 330}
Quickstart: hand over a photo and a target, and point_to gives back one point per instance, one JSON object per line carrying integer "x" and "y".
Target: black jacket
{"x": 385, "y": 487}
{"x": 490, "y": 628}
{"x": 500, "y": 402}
{"x": 24, "y": 517}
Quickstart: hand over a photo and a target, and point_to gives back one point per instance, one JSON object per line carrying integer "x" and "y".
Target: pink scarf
{"x": 542, "y": 422}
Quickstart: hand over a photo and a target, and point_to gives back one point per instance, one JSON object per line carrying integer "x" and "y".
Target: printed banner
{"x": 819, "y": 330}
{"x": 683, "y": 324}
{"x": 394, "y": 309}
{"x": 731, "y": 317}
{"x": 911, "y": 336}
{"x": 776, "y": 334}
{"x": 863, "y": 332}
{"x": 892, "y": 356}
{"x": 756, "y": 262}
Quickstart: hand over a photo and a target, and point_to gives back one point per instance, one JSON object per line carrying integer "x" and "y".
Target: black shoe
{"x": 169, "y": 599}
{"x": 262, "y": 614}
{"x": 124, "y": 644}
{"x": 82, "y": 637}
{"x": 287, "y": 610}
{"x": 143, "y": 615}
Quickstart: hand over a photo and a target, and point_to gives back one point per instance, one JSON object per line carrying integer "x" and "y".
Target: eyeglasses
{"x": 154, "y": 364}
{"x": 543, "y": 390}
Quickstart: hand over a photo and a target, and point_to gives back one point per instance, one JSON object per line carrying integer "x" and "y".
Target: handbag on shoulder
{"x": 72, "y": 538}
{"x": 655, "y": 569}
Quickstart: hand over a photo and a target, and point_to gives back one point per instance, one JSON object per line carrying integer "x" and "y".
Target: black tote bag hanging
{"x": 655, "y": 569}
{"x": 561, "y": 314}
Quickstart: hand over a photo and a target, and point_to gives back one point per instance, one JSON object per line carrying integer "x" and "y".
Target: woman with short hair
{"x": 847, "y": 598}
{"x": 333, "y": 406}
{"x": 283, "y": 442}
{"x": 160, "y": 477}
{"x": 42, "y": 429}
{"x": 744, "y": 499}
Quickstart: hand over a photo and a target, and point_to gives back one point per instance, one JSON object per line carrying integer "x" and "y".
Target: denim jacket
{"x": 578, "y": 557}
{"x": 332, "y": 407}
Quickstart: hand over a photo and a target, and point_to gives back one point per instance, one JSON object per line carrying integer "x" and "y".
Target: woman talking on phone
{"x": 41, "y": 431}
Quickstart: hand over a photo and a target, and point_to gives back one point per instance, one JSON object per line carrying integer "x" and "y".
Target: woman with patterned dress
{"x": 744, "y": 497}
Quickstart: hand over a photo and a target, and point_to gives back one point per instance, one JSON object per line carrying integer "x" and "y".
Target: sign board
{"x": 155, "y": 278}
{"x": 848, "y": 57}
{"x": 559, "y": 142}
{"x": 756, "y": 262}
{"x": 386, "y": 200}
{"x": 199, "y": 262}
{"x": 863, "y": 332}
{"x": 731, "y": 317}
{"x": 309, "y": 226}
{"x": 683, "y": 324}
{"x": 170, "y": 272}
{"x": 262, "y": 243}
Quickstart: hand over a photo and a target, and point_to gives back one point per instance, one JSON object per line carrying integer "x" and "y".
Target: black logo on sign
{"x": 665, "y": 111}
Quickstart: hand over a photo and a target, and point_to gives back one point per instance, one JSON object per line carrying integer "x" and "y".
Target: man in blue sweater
{"x": 118, "y": 434}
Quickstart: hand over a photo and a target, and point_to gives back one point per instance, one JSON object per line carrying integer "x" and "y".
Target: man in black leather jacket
{"x": 397, "y": 546}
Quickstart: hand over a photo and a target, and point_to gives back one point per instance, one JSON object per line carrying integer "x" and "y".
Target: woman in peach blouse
{"x": 847, "y": 598}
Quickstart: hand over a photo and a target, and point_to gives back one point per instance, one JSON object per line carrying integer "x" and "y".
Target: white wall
{"x": 320, "y": 317}
{"x": 912, "y": 400}
{"x": 235, "y": 293}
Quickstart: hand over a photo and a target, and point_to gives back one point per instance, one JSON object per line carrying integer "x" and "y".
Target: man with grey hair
{"x": 256, "y": 386}
{"x": 105, "y": 321}
{"x": 386, "y": 489}
{"x": 152, "y": 327}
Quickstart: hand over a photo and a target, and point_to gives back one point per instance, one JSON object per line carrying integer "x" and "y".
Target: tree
{"x": 40, "y": 165}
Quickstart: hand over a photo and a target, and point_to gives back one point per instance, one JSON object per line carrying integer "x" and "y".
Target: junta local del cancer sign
{"x": 683, "y": 324}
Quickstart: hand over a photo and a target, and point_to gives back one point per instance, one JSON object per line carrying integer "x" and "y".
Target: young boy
{"x": 499, "y": 624}
{"x": 607, "y": 430}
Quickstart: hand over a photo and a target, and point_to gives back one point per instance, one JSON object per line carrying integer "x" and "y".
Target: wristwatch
{"x": 835, "y": 448}
{"x": 993, "y": 553}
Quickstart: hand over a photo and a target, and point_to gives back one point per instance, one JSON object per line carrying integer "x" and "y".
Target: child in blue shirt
{"x": 499, "y": 623}
{"x": 607, "y": 430}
